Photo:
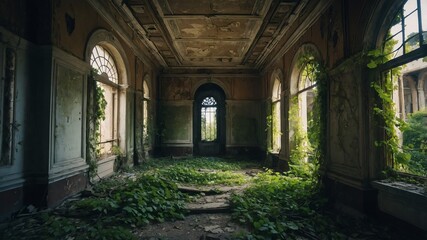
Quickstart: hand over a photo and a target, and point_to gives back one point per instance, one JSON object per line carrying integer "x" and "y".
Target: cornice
{"x": 123, "y": 11}
{"x": 308, "y": 21}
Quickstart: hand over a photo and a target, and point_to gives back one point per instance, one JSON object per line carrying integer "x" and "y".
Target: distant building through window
{"x": 405, "y": 67}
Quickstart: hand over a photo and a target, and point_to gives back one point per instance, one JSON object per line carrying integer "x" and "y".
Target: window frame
{"x": 304, "y": 89}
{"x": 276, "y": 115}
{"x": 103, "y": 81}
{"x": 215, "y": 111}
{"x": 406, "y": 57}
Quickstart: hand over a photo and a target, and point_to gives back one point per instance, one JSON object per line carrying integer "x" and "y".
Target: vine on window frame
{"x": 395, "y": 47}
{"x": 310, "y": 144}
{"x": 96, "y": 114}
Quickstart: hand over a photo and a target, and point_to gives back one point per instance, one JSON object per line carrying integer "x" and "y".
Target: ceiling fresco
{"x": 211, "y": 33}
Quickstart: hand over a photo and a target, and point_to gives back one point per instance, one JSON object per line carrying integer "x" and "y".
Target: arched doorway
{"x": 209, "y": 120}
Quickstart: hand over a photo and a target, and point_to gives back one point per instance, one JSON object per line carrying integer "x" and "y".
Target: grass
{"x": 279, "y": 206}
{"x": 200, "y": 170}
{"x": 137, "y": 197}
{"x": 275, "y": 206}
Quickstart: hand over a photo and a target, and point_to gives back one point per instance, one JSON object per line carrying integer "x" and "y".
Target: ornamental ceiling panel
{"x": 210, "y": 33}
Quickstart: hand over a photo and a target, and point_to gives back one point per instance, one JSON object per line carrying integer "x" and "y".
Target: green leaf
{"x": 372, "y": 64}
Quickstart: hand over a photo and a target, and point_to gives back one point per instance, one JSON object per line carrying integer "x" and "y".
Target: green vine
{"x": 273, "y": 122}
{"x": 96, "y": 114}
{"x": 386, "y": 108}
{"x": 311, "y": 144}
{"x": 300, "y": 144}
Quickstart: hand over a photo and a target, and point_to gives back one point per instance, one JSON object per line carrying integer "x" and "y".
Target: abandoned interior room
{"x": 329, "y": 95}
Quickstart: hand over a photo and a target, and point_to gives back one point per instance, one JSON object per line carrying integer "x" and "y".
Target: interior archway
{"x": 209, "y": 120}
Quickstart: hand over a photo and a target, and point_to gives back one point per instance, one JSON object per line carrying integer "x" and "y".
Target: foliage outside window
{"x": 102, "y": 61}
{"x": 275, "y": 120}
{"x": 306, "y": 110}
{"x": 209, "y": 119}
{"x": 146, "y": 129}
{"x": 402, "y": 91}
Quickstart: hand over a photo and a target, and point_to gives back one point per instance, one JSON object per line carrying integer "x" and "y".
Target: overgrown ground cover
{"x": 128, "y": 200}
{"x": 292, "y": 205}
{"x": 274, "y": 206}
{"x": 200, "y": 171}
{"x": 115, "y": 207}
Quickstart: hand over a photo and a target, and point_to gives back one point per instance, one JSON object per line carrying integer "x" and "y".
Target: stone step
{"x": 214, "y": 207}
{"x": 198, "y": 190}
{"x": 209, "y": 190}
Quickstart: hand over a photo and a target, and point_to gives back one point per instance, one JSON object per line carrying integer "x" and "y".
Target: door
{"x": 209, "y": 116}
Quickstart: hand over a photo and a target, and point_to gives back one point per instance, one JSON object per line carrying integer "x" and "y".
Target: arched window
{"x": 209, "y": 119}
{"x": 305, "y": 121}
{"x": 102, "y": 61}
{"x": 404, "y": 71}
{"x": 275, "y": 115}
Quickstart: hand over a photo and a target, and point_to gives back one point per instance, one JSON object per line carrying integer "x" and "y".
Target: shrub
{"x": 415, "y": 142}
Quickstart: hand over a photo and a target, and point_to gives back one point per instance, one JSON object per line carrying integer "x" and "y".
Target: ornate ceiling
{"x": 211, "y": 33}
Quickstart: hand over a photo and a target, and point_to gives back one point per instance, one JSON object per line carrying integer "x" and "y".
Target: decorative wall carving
{"x": 345, "y": 148}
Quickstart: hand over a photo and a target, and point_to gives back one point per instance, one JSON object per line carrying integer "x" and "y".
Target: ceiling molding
{"x": 278, "y": 37}
{"x": 313, "y": 16}
{"x": 210, "y": 37}
{"x": 194, "y": 35}
{"x": 100, "y": 7}
{"x": 133, "y": 23}
{"x": 206, "y": 75}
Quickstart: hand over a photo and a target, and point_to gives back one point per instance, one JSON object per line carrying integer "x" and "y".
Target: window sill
{"x": 405, "y": 201}
{"x": 106, "y": 158}
{"x": 105, "y": 166}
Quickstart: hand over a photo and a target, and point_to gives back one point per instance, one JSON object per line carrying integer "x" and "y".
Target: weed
{"x": 278, "y": 206}
{"x": 199, "y": 171}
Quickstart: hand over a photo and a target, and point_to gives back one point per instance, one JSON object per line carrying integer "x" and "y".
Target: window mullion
{"x": 415, "y": 54}
{"x": 420, "y": 25}
{"x": 403, "y": 30}
{"x": 307, "y": 88}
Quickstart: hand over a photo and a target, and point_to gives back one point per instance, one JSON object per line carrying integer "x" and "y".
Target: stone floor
{"x": 209, "y": 217}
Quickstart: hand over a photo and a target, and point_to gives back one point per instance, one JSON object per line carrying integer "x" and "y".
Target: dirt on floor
{"x": 209, "y": 226}
{"x": 209, "y": 216}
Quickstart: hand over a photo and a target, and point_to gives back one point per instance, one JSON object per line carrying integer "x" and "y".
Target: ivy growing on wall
{"x": 96, "y": 114}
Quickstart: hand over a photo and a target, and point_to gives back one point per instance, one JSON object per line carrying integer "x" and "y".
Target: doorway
{"x": 209, "y": 120}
